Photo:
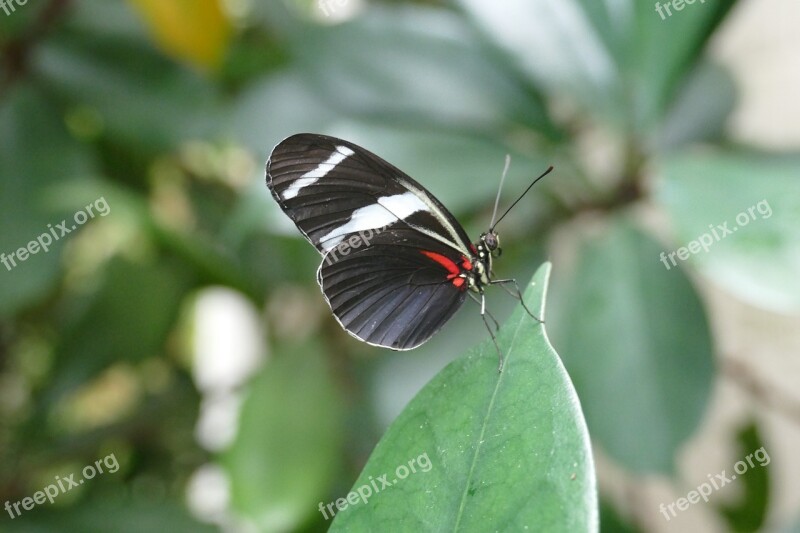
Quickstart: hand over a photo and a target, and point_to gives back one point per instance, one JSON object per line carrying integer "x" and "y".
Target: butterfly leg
{"x": 517, "y": 295}
{"x": 485, "y": 311}
{"x": 494, "y": 339}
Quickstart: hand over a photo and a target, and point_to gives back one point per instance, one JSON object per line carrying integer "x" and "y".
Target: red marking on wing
{"x": 474, "y": 250}
{"x": 446, "y": 262}
{"x": 451, "y": 266}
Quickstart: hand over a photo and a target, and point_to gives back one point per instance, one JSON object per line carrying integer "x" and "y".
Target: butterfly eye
{"x": 492, "y": 242}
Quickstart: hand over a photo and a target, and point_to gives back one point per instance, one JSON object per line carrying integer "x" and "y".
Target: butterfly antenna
{"x": 545, "y": 173}
{"x": 500, "y": 189}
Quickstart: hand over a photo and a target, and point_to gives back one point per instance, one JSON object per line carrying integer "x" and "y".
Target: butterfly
{"x": 396, "y": 263}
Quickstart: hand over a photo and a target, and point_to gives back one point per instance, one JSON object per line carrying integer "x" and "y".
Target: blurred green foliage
{"x": 168, "y": 110}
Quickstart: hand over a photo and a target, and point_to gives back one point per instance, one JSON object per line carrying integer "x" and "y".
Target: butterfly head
{"x": 487, "y": 247}
{"x": 491, "y": 243}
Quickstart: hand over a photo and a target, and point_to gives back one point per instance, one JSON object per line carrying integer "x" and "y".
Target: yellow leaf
{"x": 197, "y": 31}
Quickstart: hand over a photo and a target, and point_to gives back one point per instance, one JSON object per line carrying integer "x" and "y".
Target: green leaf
{"x": 658, "y": 53}
{"x": 126, "y": 319}
{"x": 422, "y": 65}
{"x": 650, "y": 61}
{"x": 748, "y": 192}
{"x": 287, "y": 451}
{"x": 749, "y": 512}
{"x": 701, "y": 108}
{"x": 492, "y": 451}
{"x": 555, "y": 44}
{"x": 36, "y": 156}
{"x": 611, "y": 522}
{"x": 617, "y": 59}
{"x": 289, "y": 103}
{"x": 131, "y": 513}
{"x": 137, "y": 95}
{"x": 636, "y": 341}
{"x": 18, "y": 21}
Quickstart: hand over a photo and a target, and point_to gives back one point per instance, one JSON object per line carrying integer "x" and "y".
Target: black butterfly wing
{"x": 387, "y": 292}
{"x": 396, "y": 289}
{"x": 332, "y": 188}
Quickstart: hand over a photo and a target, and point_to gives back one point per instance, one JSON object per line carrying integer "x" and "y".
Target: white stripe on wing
{"x": 388, "y": 209}
{"x": 312, "y": 176}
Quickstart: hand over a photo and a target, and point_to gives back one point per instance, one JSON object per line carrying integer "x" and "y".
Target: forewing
{"x": 333, "y": 189}
{"x": 384, "y": 290}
